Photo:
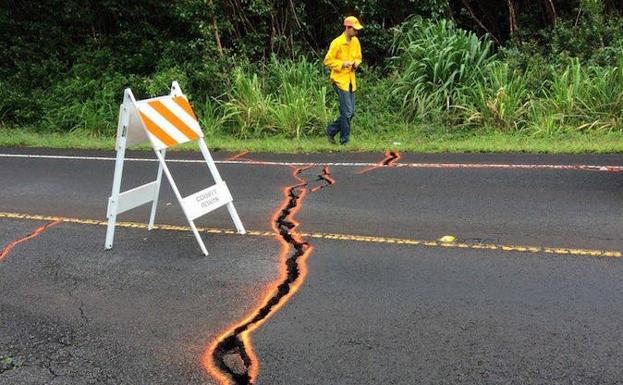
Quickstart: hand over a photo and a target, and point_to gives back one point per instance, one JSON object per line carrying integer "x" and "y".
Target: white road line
{"x": 576, "y": 167}
{"x": 72, "y": 157}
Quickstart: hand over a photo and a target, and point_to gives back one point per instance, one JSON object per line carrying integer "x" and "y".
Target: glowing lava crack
{"x": 391, "y": 159}
{"x": 230, "y": 358}
{"x": 325, "y": 176}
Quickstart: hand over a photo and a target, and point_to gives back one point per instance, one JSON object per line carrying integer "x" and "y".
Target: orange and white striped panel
{"x": 169, "y": 121}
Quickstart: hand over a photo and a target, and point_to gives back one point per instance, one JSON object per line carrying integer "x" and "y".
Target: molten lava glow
{"x": 5, "y": 252}
{"x": 326, "y": 176}
{"x": 391, "y": 158}
{"x": 245, "y": 336}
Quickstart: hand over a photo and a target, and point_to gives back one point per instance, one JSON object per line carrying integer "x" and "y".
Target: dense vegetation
{"x": 253, "y": 67}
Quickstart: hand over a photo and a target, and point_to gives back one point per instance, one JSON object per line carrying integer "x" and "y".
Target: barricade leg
{"x": 180, "y": 200}
{"x": 202, "y": 246}
{"x": 154, "y": 205}
{"x": 112, "y": 205}
{"x": 234, "y": 216}
{"x": 217, "y": 178}
{"x": 116, "y": 184}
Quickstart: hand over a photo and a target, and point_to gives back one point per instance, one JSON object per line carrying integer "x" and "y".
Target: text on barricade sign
{"x": 210, "y": 199}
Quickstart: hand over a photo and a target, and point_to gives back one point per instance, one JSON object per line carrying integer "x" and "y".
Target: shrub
{"x": 83, "y": 104}
{"x": 583, "y": 97}
{"x": 283, "y": 97}
{"x": 300, "y": 89}
{"x": 501, "y": 101}
{"x": 434, "y": 62}
{"x": 249, "y": 105}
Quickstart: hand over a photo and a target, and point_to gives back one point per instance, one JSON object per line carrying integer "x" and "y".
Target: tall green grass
{"x": 435, "y": 62}
{"x": 584, "y": 97}
{"x": 80, "y": 104}
{"x": 501, "y": 100}
{"x": 286, "y": 97}
{"x": 443, "y": 72}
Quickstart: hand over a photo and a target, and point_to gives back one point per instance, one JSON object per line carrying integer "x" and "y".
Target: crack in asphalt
{"x": 52, "y": 372}
{"x": 83, "y": 315}
{"x": 50, "y": 351}
{"x": 326, "y": 177}
{"x": 233, "y": 356}
{"x": 72, "y": 293}
{"x": 391, "y": 160}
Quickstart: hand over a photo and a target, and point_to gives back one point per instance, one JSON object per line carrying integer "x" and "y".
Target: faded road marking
{"x": 566, "y": 167}
{"x": 339, "y": 237}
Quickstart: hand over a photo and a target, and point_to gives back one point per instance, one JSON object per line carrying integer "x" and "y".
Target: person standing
{"x": 343, "y": 59}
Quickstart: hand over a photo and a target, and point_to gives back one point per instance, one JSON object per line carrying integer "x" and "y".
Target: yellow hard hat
{"x": 352, "y": 21}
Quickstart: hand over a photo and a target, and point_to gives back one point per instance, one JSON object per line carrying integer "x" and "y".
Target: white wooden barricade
{"x": 165, "y": 122}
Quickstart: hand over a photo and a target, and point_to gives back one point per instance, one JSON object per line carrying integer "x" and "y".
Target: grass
{"x": 9, "y": 362}
{"x": 411, "y": 140}
{"x": 436, "y": 61}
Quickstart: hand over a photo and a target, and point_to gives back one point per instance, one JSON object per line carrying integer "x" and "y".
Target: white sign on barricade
{"x": 165, "y": 122}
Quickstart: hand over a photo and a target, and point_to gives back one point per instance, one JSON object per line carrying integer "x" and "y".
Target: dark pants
{"x": 347, "y": 110}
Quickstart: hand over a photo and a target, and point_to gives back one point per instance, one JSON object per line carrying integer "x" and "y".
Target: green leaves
{"x": 285, "y": 97}
{"x": 501, "y": 101}
{"x": 586, "y": 97}
{"x": 435, "y": 62}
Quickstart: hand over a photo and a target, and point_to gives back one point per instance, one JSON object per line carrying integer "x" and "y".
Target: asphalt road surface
{"x": 528, "y": 292}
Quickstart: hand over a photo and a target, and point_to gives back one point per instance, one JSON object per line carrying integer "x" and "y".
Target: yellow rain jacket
{"x": 339, "y": 52}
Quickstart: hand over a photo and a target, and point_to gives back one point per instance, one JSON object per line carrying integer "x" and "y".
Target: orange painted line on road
{"x": 238, "y": 156}
{"x": 7, "y": 250}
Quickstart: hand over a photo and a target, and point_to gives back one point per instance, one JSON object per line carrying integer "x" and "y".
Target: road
{"x": 528, "y": 293}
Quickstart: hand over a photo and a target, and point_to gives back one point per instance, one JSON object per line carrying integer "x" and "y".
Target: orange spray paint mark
{"x": 325, "y": 176}
{"x": 5, "y": 252}
{"x": 391, "y": 158}
{"x": 243, "y": 157}
{"x": 239, "y": 156}
{"x": 230, "y": 358}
